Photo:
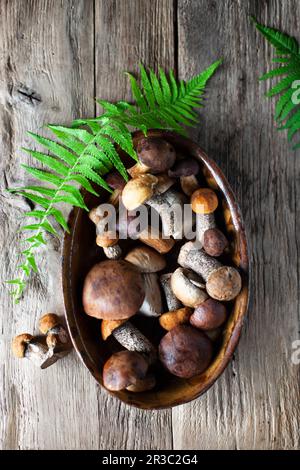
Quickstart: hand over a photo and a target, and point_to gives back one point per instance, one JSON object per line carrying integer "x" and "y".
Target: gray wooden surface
{"x": 55, "y": 56}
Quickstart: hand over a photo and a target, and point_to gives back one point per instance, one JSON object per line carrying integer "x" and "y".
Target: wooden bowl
{"x": 80, "y": 253}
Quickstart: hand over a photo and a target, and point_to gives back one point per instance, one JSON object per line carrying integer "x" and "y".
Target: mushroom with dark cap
{"x": 127, "y": 370}
{"x": 156, "y": 155}
{"x": 209, "y": 315}
{"x": 185, "y": 351}
{"x": 186, "y": 169}
{"x": 113, "y": 290}
{"x": 222, "y": 282}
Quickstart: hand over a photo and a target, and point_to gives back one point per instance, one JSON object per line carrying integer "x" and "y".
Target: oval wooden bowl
{"x": 80, "y": 253}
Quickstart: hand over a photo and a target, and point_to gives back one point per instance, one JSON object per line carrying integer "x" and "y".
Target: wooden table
{"x": 55, "y": 57}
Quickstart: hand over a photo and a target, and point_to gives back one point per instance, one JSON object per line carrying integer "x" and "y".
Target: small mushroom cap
{"x": 224, "y": 283}
{"x": 189, "y": 184}
{"x": 107, "y": 239}
{"x": 108, "y": 326}
{"x": 123, "y": 369}
{"x": 185, "y": 351}
{"x": 214, "y": 242}
{"x": 113, "y": 290}
{"x": 185, "y": 290}
{"x": 169, "y": 320}
{"x": 157, "y": 154}
{"x": 204, "y": 201}
{"x": 48, "y": 321}
{"x": 186, "y": 167}
{"x": 143, "y": 385}
{"x": 146, "y": 259}
{"x": 209, "y": 315}
{"x": 138, "y": 190}
{"x": 19, "y": 344}
{"x": 115, "y": 180}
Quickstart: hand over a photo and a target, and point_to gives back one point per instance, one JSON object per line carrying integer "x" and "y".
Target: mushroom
{"x": 176, "y": 314}
{"x": 169, "y": 320}
{"x": 106, "y": 239}
{"x": 186, "y": 169}
{"x": 185, "y": 290}
{"x": 156, "y": 155}
{"x": 113, "y": 289}
{"x": 154, "y": 238}
{"x": 172, "y": 302}
{"x": 185, "y": 351}
{"x": 25, "y": 345}
{"x": 138, "y": 190}
{"x": 127, "y": 370}
{"x": 209, "y": 315}
{"x": 57, "y": 338}
{"x": 115, "y": 180}
{"x": 222, "y": 282}
{"x": 129, "y": 337}
{"x": 204, "y": 202}
{"x": 189, "y": 184}
{"x": 146, "y": 259}
{"x": 152, "y": 305}
{"x": 170, "y": 207}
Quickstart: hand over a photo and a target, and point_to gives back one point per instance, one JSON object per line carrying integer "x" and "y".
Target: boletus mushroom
{"x": 113, "y": 290}
{"x": 209, "y": 315}
{"x": 127, "y": 370}
{"x": 156, "y": 155}
{"x": 185, "y": 351}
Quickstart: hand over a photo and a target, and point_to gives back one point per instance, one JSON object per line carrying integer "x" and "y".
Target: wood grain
{"x": 127, "y": 32}
{"x": 256, "y": 402}
{"x": 55, "y": 57}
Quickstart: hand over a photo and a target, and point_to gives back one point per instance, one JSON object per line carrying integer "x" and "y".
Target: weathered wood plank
{"x": 256, "y": 402}
{"x": 129, "y": 32}
{"x": 46, "y": 75}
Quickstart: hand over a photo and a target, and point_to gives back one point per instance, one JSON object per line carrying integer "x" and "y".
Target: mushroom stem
{"x": 170, "y": 207}
{"x": 152, "y": 305}
{"x": 222, "y": 282}
{"x": 204, "y": 222}
{"x": 113, "y": 252}
{"x": 133, "y": 340}
{"x": 172, "y": 302}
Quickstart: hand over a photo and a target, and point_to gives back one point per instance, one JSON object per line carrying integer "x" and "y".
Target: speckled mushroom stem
{"x": 222, "y": 282}
{"x": 192, "y": 257}
{"x": 169, "y": 206}
{"x": 204, "y": 222}
{"x": 172, "y": 302}
{"x": 133, "y": 340}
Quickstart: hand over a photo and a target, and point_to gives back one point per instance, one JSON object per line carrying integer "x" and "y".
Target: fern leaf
{"x": 55, "y": 148}
{"x": 287, "y": 53}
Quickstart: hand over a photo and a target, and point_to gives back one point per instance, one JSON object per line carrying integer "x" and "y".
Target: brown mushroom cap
{"x": 123, "y": 369}
{"x": 48, "y": 321}
{"x": 214, "y": 242}
{"x": 138, "y": 190}
{"x": 107, "y": 239}
{"x": 20, "y": 343}
{"x": 108, "y": 326}
{"x": 204, "y": 201}
{"x": 146, "y": 259}
{"x": 186, "y": 167}
{"x": 185, "y": 351}
{"x": 208, "y": 315}
{"x": 157, "y": 154}
{"x": 113, "y": 290}
{"x": 224, "y": 283}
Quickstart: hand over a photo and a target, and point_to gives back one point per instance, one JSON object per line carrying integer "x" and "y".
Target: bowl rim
{"x": 67, "y": 249}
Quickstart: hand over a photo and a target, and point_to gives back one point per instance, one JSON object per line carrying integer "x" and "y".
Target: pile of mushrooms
{"x": 188, "y": 305}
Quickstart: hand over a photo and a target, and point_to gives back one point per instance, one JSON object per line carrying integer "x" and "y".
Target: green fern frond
{"x": 288, "y": 56}
{"x": 84, "y": 152}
